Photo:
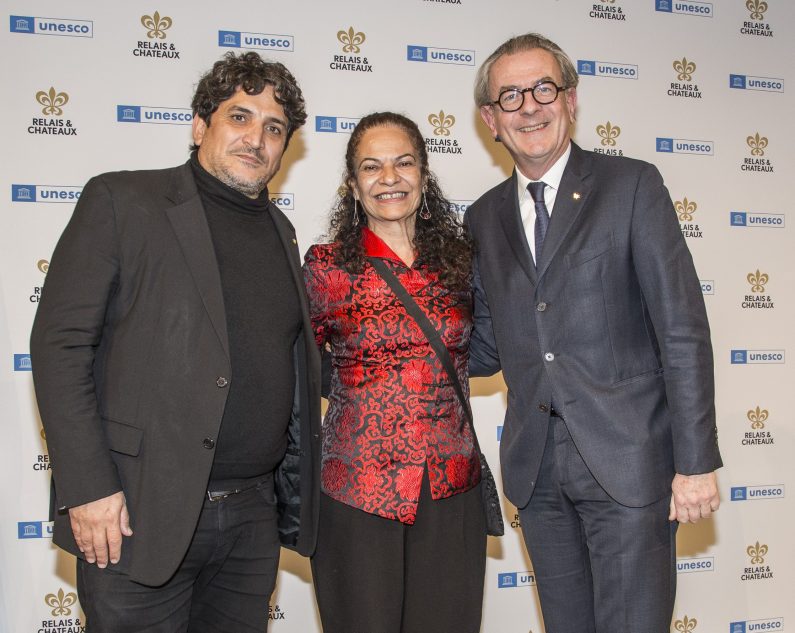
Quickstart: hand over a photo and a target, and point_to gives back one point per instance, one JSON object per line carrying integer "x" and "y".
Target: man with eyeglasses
{"x": 586, "y": 297}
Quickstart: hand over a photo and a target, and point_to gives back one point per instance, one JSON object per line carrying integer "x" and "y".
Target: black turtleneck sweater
{"x": 263, "y": 318}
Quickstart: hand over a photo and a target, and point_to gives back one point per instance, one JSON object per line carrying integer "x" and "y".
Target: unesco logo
{"x": 757, "y": 357}
{"x": 153, "y": 114}
{"x": 511, "y": 580}
{"x": 695, "y": 565}
{"x": 749, "y": 82}
{"x": 51, "y": 26}
{"x": 499, "y": 433}
{"x": 45, "y": 193}
{"x": 335, "y": 124}
{"x": 255, "y": 41}
{"x": 768, "y": 624}
{"x": 460, "y": 57}
{"x": 684, "y": 146}
{"x": 686, "y": 625}
{"x": 607, "y": 69}
{"x": 285, "y": 201}
{"x": 763, "y": 220}
{"x": 695, "y": 9}
{"x": 757, "y": 493}
{"x": 707, "y": 286}
{"x": 22, "y": 362}
{"x": 34, "y": 529}
{"x": 460, "y": 207}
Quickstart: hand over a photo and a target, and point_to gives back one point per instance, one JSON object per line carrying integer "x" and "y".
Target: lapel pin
{"x": 295, "y": 242}
{"x": 576, "y": 195}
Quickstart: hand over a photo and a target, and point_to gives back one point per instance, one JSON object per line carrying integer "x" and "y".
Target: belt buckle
{"x": 218, "y": 496}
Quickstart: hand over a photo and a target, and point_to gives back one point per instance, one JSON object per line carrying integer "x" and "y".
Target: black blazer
{"x": 611, "y": 328}
{"x": 132, "y": 368}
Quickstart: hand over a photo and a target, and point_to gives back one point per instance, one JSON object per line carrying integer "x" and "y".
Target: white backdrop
{"x": 699, "y": 88}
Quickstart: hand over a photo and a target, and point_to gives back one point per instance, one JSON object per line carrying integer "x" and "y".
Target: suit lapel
{"x": 575, "y": 188}
{"x": 193, "y": 234}
{"x": 511, "y": 220}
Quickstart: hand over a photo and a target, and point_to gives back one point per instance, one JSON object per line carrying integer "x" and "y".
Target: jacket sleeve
{"x": 81, "y": 282}
{"x": 675, "y": 304}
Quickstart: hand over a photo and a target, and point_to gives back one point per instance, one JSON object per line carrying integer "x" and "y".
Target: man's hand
{"x": 98, "y": 527}
{"x": 694, "y": 497}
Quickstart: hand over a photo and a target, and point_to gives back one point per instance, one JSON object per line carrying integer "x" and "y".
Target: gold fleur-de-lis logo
{"x": 686, "y": 625}
{"x": 757, "y": 418}
{"x": 757, "y": 144}
{"x": 757, "y": 8}
{"x": 758, "y": 281}
{"x": 43, "y": 265}
{"x": 156, "y": 25}
{"x": 685, "y": 209}
{"x": 757, "y": 553}
{"x": 351, "y": 39}
{"x": 685, "y": 69}
{"x": 609, "y": 133}
{"x": 441, "y": 123}
{"x": 61, "y": 602}
{"x": 52, "y": 101}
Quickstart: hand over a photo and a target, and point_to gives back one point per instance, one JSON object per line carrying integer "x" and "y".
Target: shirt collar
{"x": 374, "y": 246}
{"x": 552, "y": 178}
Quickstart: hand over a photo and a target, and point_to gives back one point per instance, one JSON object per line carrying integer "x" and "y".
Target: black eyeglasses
{"x": 544, "y": 93}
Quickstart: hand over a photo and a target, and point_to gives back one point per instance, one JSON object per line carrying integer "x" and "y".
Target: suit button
{"x": 221, "y": 382}
{"x": 208, "y": 443}
{"x": 543, "y": 407}
{"x": 549, "y": 356}
{"x": 541, "y": 306}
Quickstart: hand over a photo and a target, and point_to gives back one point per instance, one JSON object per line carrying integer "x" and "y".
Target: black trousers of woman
{"x": 376, "y": 575}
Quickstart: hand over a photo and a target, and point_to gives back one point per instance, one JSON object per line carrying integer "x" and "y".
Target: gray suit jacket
{"x": 611, "y": 327}
{"x": 131, "y": 367}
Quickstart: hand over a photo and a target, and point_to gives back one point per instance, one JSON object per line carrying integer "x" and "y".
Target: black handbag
{"x": 488, "y": 487}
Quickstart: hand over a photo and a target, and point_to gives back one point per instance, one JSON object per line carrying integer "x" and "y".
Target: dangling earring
{"x": 425, "y": 212}
{"x": 355, "y": 220}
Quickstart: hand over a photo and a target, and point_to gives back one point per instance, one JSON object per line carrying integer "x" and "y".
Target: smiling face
{"x": 244, "y": 142}
{"x": 387, "y": 177}
{"x": 535, "y": 135}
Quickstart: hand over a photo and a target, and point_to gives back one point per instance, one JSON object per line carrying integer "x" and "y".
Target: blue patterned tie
{"x": 536, "y": 190}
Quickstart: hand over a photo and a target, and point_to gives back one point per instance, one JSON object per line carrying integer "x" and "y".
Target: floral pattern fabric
{"x": 392, "y": 409}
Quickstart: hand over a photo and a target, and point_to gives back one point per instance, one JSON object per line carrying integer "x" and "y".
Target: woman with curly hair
{"x": 401, "y": 539}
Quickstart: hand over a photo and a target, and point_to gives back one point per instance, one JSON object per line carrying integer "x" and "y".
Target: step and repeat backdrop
{"x": 702, "y": 89}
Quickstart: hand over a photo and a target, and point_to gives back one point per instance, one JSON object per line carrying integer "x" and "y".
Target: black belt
{"x": 218, "y": 495}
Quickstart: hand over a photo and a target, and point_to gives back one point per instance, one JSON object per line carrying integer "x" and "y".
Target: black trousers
{"x": 375, "y": 575}
{"x": 600, "y": 567}
{"x": 223, "y": 584}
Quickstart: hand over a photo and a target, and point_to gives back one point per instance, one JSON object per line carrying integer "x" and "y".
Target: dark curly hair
{"x": 252, "y": 74}
{"x": 441, "y": 242}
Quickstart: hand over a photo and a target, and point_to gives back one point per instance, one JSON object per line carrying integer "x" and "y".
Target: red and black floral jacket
{"x": 392, "y": 409}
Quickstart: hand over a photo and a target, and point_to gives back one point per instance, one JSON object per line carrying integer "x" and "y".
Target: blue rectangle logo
{"x": 684, "y": 146}
{"x": 739, "y": 493}
{"x": 256, "y": 41}
{"x": 499, "y": 433}
{"x": 23, "y": 193}
{"x": 613, "y": 70}
{"x": 51, "y": 26}
{"x": 34, "y": 529}
{"x": 460, "y": 57}
{"x": 153, "y": 114}
{"x": 22, "y": 362}
{"x": 757, "y": 220}
{"x": 696, "y": 9}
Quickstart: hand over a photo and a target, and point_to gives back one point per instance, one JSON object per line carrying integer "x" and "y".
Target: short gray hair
{"x": 519, "y": 44}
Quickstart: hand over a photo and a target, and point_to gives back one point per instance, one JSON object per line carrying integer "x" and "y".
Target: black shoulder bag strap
{"x": 431, "y": 333}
